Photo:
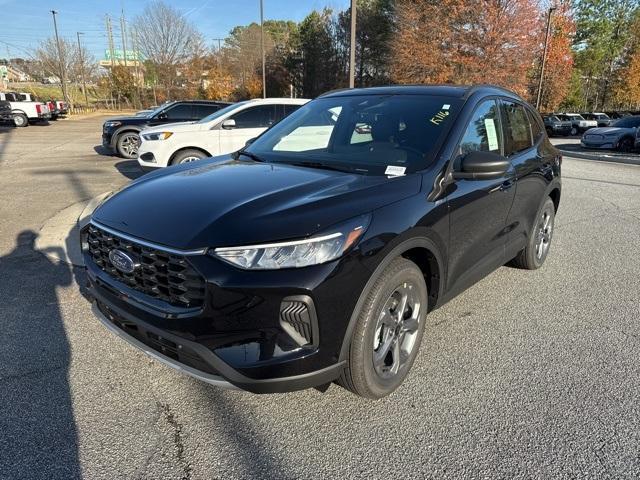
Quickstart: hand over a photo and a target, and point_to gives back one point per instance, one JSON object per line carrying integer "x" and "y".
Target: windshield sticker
{"x": 394, "y": 171}
{"x": 440, "y": 116}
{"x": 492, "y": 136}
{"x": 445, "y": 106}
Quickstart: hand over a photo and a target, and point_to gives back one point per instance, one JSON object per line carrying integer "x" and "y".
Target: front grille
{"x": 159, "y": 274}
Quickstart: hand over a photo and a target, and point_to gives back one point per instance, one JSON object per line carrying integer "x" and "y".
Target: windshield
{"x": 219, "y": 113}
{"x": 553, "y": 119}
{"x": 627, "y": 122}
{"x": 364, "y": 134}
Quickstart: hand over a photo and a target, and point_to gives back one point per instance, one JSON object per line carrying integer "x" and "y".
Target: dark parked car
{"x": 5, "y": 112}
{"x": 555, "y": 126}
{"x": 602, "y": 118}
{"x": 620, "y": 135}
{"x": 315, "y": 254}
{"x": 121, "y": 134}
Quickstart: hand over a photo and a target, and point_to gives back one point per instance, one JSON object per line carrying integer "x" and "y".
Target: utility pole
{"x": 264, "y": 65}
{"x": 544, "y": 57}
{"x": 84, "y": 81}
{"x": 134, "y": 40}
{"x": 352, "y": 46}
{"x": 63, "y": 82}
{"x": 124, "y": 37}
{"x": 111, "y": 53}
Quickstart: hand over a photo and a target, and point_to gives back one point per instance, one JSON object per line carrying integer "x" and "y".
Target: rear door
{"x": 478, "y": 208}
{"x": 250, "y": 123}
{"x": 527, "y": 147}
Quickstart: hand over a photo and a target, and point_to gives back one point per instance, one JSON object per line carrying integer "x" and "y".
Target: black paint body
{"x": 457, "y": 231}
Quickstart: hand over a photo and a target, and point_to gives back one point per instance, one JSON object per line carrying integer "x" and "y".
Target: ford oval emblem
{"x": 122, "y": 261}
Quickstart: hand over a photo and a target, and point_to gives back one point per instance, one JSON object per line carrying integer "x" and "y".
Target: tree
{"x": 559, "y": 63}
{"x": 602, "y": 32}
{"x": 166, "y": 38}
{"x": 627, "y": 83}
{"x": 123, "y": 82}
{"x": 456, "y": 41}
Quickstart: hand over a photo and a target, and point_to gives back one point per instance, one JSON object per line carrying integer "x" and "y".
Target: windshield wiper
{"x": 319, "y": 165}
{"x": 252, "y": 156}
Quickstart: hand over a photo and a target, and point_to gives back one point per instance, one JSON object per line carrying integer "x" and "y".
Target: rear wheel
{"x": 187, "y": 156}
{"x": 128, "y": 144}
{"x": 574, "y": 130}
{"x": 388, "y": 332}
{"x": 537, "y": 249}
{"x": 20, "y": 120}
{"x": 626, "y": 145}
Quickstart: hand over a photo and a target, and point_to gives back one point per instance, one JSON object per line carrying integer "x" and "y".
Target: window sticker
{"x": 446, "y": 106}
{"x": 439, "y": 117}
{"x": 394, "y": 171}
{"x": 492, "y": 135}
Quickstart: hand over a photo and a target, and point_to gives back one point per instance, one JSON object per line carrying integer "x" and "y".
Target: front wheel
{"x": 20, "y": 120}
{"x": 626, "y": 145}
{"x": 187, "y": 156}
{"x": 537, "y": 249}
{"x": 574, "y": 131}
{"x": 128, "y": 144}
{"x": 388, "y": 332}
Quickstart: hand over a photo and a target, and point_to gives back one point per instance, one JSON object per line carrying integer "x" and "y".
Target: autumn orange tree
{"x": 559, "y": 62}
{"x": 457, "y": 41}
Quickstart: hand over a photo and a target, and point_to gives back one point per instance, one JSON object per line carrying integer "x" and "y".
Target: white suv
{"x": 222, "y": 132}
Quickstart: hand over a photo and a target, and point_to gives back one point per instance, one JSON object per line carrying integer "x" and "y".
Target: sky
{"x": 25, "y": 22}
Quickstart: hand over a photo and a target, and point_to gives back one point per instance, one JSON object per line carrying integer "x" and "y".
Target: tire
{"x": 186, "y": 156}
{"x": 128, "y": 144}
{"x": 626, "y": 145}
{"x": 20, "y": 120}
{"x": 370, "y": 372}
{"x": 535, "y": 253}
{"x": 574, "y": 131}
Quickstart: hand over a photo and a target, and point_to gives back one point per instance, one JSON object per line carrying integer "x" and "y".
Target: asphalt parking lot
{"x": 525, "y": 375}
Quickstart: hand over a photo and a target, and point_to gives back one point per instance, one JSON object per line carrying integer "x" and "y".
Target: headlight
{"x": 295, "y": 254}
{"x": 112, "y": 124}
{"x": 157, "y": 135}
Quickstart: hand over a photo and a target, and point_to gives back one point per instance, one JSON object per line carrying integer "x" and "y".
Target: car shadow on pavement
{"x": 38, "y": 433}
{"x": 130, "y": 169}
{"x": 100, "y": 150}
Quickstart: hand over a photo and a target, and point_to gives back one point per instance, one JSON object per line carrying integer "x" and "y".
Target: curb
{"x": 59, "y": 237}
{"x": 600, "y": 157}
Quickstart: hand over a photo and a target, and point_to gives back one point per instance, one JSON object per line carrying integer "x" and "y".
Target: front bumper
{"x": 605, "y": 145}
{"x": 154, "y": 154}
{"x": 237, "y": 338}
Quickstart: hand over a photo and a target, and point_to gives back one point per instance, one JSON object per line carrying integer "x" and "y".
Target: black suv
{"x": 121, "y": 134}
{"x": 6, "y": 114}
{"x": 555, "y": 126}
{"x": 315, "y": 254}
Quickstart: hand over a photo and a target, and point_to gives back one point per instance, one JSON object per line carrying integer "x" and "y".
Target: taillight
{"x": 39, "y": 108}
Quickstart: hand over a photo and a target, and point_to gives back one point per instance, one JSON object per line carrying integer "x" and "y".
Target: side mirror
{"x": 229, "y": 124}
{"x": 482, "y": 166}
{"x": 162, "y": 116}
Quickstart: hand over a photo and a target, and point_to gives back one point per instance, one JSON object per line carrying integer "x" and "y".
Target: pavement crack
{"x": 178, "y": 442}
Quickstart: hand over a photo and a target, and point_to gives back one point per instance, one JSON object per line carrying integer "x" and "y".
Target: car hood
{"x": 175, "y": 127}
{"x": 609, "y": 130}
{"x": 224, "y": 202}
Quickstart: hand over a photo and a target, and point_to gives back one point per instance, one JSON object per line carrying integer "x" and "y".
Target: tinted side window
{"x": 180, "y": 112}
{"x": 201, "y": 111}
{"x": 289, "y": 109}
{"x": 262, "y": 116}
{"x": 483, "y": 132}
{"x": 517, "y": 131}
{"x": 536, "y": 128}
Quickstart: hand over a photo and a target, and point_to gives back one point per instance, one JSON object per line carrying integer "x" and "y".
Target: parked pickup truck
{"x": 52, "y": 104}
{"x": 25, "y": 112}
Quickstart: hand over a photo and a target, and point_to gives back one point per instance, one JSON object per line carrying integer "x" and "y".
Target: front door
{"x": 478, "y": 209}
{"x": 250, "y": 123}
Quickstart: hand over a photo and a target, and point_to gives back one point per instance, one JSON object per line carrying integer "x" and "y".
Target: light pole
{"x": 544, "y": 57}
{"x": 352, "y": 47}
{"x": 264, "y": 66}
{"x": 84, "y": 81}
{"x": 62, "y": 72}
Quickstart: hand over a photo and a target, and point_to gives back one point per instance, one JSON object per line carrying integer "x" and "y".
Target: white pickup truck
{"x": 25, "y": 112}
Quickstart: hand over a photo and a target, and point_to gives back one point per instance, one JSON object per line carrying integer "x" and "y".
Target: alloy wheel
{"x": 545, "y": 230}
{"x": 130, "y": 144}
{"x": 190, "y": 159}
{"x": 396, "y": 330}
